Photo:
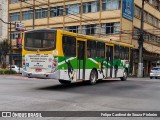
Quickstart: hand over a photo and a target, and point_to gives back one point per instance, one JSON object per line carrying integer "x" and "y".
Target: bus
{"x": 71, "y": 57}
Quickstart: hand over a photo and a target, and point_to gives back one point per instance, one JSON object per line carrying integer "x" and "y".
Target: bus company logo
{"x": 6, "y": 114}
{"x": 38, "y": 51}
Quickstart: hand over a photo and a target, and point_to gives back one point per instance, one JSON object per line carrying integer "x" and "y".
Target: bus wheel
{"x": 93, "y": 77}
{"x": 125, "y": 75}
{"x": 65, "y": 82}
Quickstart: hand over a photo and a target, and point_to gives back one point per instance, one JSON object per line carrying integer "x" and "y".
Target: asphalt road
{"x": 27, "y": 94}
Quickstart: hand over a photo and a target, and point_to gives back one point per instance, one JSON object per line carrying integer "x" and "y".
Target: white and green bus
{"x": 70, "y": 57}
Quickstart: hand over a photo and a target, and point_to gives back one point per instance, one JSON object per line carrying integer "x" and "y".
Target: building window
{"x": 91, "y": 7}
{"x": 155, "y": 22}
{"x": 44, "y": 13}
{"x": 90, "y": 29}
{"x": 56, "y": 11}
{"x": 154, "y": 39}
{"x": 27, "y": 15}
{"x": 158, "y": 40}
{"x": 136, "y": 32}
{"x": 13, "y": 1}
{"x": 74, "y": 29}
{"x": 41, "y": 13}
{"x": 72, "y": 9}
{"x": 15, "y": 16}
{"x": 157, "y": 4}
{"x": 150, "y": 18}
{"x": 159, "y": 23}
{"x": 145, "y": 16}
{"x": 151, "y": 1}
{"x": 137, "y": 12}
{"x": 110, "y": 28}
{"x": 110, "y": 4}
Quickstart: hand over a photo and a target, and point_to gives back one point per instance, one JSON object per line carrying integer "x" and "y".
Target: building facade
{"x": 117, "y": 20}
{"x": 3, "y": 26}
{"x": 4, "y": 17}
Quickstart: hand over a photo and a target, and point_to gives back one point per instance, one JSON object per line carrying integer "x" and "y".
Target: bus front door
{"x": 109, "y": 60}
{"x": 81, "y": 59}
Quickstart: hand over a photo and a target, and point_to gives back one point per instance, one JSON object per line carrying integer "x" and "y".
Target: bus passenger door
{"x": 81, "y": 59}
{"x": 109, "y": 60}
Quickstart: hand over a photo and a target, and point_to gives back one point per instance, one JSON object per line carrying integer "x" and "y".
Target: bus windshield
{"x": 39, "y": 40}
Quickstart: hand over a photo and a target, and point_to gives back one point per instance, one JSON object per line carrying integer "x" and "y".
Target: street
{"x": 18, "y": 93}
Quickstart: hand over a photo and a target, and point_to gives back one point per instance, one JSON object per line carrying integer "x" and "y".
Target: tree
{"x": 4, "y": 48}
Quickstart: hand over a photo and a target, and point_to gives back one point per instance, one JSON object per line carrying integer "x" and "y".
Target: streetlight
{"x": 140, "y": 41}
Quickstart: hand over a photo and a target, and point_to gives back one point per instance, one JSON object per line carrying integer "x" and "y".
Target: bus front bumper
{"x": 55, "y": 75}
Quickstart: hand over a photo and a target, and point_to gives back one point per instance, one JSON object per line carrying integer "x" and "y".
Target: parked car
{"x": 155, "y": 72}
{"x": 15, "y": 68}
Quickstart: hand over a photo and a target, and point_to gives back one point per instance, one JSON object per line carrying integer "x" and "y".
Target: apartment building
{"x": 116, "y": 20}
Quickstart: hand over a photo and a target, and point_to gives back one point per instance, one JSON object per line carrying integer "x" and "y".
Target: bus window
{"x": 91, "y": 51}
{"x": 127, "y": 53}
{"x": 122, "y": 52}
{"x": 39, "y": 40}
{"x": 100, "y": 49}
{"x": 116, "y": 52}
{"x": 69, "y": 46}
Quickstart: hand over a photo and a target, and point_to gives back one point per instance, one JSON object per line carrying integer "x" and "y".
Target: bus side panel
{"x": 118, "y": 68}
{"x": 67, "y": 67}
{"x": 95, "y": 63}
{"x": 121, "y": 67}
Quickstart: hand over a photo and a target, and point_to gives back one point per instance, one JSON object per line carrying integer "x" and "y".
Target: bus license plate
{"x": 38, "y": 70}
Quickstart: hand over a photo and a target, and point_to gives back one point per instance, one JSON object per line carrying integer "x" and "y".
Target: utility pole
{"x": 10, "y": 60}
{"x": 140, "y": 42}
{"x": 33, "y": 13}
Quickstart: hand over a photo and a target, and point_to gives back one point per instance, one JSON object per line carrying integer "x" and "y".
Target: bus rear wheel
{"x": 125, "y": 75}
{"x": 93, "y": 77}
{"x": 64, "y": 82}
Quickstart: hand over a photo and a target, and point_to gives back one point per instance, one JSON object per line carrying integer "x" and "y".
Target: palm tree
{"x": 4, "y": 47}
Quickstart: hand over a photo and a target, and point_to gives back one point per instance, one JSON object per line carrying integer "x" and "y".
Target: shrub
{"x": 7, "y": 71}
{"x": 1, "y": 71}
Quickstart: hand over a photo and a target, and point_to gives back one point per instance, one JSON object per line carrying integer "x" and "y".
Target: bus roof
{"x": 97, "y": 39}
{"x": 86, "y": 37}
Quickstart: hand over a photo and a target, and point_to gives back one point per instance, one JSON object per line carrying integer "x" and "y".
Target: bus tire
{"x": 93, "y": 77}
{"x": 64, "y": 82}
{"x": 125, "y": 75}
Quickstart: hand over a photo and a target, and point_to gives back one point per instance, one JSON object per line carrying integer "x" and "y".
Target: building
{"x": 117, "y": 20}
{"x": 4, "y": 17}
{"x": 3, "y": 26}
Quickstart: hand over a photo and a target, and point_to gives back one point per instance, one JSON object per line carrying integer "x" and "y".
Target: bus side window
{"x": 100, "y": 49}
{"x": 127, "y": 53}
{"x": 116, "y": 51}
{"x": 91, "y": 51}
{"x": 69, "y": 46}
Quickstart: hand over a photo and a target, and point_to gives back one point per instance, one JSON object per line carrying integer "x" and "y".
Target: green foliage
{"x": 4, "y": 46}
{"x": 7, "y": 71}
{"x": 1, "y": 71}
